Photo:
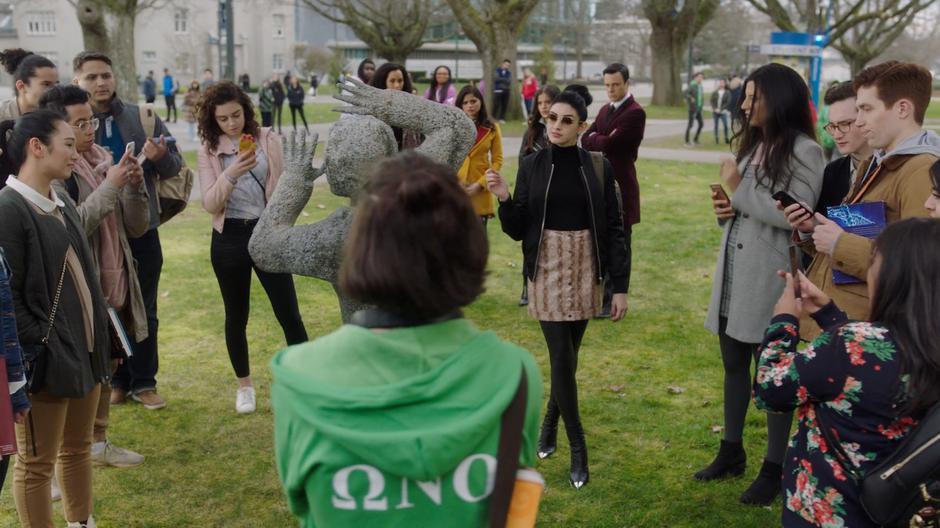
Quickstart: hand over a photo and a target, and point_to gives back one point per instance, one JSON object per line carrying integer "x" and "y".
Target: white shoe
{"x": 245, "y": 400}
{"x": 90, "y": 523}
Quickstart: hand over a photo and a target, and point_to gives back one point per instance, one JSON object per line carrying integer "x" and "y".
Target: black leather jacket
{"x": 523, "y": 216}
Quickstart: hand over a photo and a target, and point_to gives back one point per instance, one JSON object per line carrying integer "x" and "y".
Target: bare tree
{"x": 108, "y": 27}
{"x": 581, "y": 17}
{"x": 392, "y": 28}
{"x": 860, "y": 29}
{"x": 494, "y": 26}
{"x": 672, "y": 28}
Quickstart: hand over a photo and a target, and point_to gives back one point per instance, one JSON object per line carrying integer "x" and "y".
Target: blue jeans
{"x": 139, "y": 372}
{"x": 720, "y": 116}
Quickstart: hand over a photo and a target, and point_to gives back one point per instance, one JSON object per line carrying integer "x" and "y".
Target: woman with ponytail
{"x": 61, "y": 319}
{"x": 566, "y": 214}
{"x": 32, "y": 75}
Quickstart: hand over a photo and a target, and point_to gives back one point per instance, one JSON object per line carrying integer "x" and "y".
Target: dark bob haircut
{"x": 416, "y": 247}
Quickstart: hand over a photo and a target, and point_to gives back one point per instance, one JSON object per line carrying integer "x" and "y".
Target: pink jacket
{"x": 216, "y": 188}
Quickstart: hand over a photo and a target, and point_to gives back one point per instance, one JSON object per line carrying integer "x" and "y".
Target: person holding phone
{"x": 776, "y": 151}
{"x": 239, "y": 167}
{"x": 568, "y": 219}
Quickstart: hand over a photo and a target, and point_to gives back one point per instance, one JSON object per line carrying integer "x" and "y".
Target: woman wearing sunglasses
{"x": 568, "y": 220}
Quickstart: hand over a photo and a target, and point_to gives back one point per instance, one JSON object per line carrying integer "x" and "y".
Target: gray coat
{"x": 763, "y": 240}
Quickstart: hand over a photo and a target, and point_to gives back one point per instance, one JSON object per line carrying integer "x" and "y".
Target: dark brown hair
{"x": 88, "y": 56}
{"x": 483, "y": 118}
{"x": 839, "y": 92}
{"x": 218, "y": 94}
{"x": 896, "y": 80}
{"x": 535, "y": 127}
{"x": 935, "y": 177}
{"x": 22, "y": 64}
{"x": 906, "y": 301}
{"x": 416, "y": 247}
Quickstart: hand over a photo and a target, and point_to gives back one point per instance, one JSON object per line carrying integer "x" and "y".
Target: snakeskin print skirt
{"x": 565, "y": 288}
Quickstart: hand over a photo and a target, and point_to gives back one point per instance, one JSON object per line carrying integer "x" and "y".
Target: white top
{"x": 46, "y": 204}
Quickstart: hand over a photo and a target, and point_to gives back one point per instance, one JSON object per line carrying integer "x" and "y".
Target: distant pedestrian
{"x": 245, "y": 81}
{"x": 266, "y": 103}
{"x": 442, "y": 87}
{"x": 278, "y": 94}
{"x": 190, "y": 102}
{"x": 502, "y": 81}
{"x": 695, "y": 99}
{"x": 530, "y": 85}
{"x": 734, "y": 105}
{"x": 207, "y": 80}
{"x": 295, "y": 100}
{"x": 391, "y": 76}
{"x": 721, "y": 102}
{"x": 150, "y": 88}
{"x": 169, "y": 94}
{"x": 365, "y": 71}
{"x": 314, "y": 84}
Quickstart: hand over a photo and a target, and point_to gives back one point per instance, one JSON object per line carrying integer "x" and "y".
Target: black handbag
{"x": 36, "y": 356}
{"x": 903, "y": 490}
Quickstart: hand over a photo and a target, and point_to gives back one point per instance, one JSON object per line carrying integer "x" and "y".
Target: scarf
{"x": 92, "y": 167}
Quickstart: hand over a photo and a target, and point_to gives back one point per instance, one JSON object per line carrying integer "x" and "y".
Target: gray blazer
{"x": 763, "y": 240}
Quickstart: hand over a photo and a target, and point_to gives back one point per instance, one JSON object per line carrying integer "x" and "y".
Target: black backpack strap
{"x": 507, "y": 455}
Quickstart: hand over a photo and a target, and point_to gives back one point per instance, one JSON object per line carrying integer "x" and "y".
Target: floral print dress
{"x": 849, "y": 379}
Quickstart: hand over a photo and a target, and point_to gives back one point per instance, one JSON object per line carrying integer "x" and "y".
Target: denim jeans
{"x": 139, "y": 372}
{"x": 723, "y": 118}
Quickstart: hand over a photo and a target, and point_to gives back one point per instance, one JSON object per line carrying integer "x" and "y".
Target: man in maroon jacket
{"x": 617, "y": 132}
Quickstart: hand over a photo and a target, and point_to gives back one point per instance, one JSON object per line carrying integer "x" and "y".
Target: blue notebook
{"x": 864, "y": 219}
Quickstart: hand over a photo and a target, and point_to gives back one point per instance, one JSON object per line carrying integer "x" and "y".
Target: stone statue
{"x": 355, "y": 144}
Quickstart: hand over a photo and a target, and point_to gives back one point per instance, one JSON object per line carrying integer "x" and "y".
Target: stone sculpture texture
{"x": 355, "y": 145}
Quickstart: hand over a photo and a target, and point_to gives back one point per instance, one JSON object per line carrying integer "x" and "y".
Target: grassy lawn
{"x": 208, "y": 466}
{"x": 933, "y": 111}
{"x": 706, "y": 142}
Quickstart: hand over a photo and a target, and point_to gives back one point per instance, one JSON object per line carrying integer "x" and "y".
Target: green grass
{"x": 706, "y": 142}
{"x": 933, "y": 111}
{"x": 207, "y": 466}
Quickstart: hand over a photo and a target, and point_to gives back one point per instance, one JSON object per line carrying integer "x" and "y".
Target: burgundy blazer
{"x": 618, "y": 136}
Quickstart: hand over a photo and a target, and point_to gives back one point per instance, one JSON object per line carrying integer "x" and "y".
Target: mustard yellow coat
{"x": 486, "y": 154}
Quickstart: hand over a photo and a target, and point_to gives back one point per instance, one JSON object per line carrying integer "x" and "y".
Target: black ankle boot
{"x": 579, "y": 475}
{"x": 524, "y": 298}
{"x": 766, "y": 486}
{"x": 730, "y": 462}
{"x": 549, "y": 435}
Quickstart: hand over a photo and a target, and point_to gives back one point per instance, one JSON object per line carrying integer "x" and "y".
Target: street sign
{"x": 790, "y": 50}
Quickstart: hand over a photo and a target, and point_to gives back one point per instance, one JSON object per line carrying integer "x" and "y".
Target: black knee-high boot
{"x": 579, "y": 474}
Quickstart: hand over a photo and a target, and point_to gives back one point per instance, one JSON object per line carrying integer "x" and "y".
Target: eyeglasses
{"x": 842, "y": 127}
{"x": 85, "y": 126}
{"x": 566, "y": 120}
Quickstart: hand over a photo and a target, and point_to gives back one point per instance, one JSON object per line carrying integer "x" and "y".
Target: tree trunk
{"x": 94, "y": 26}
{"x": 667, "y": 60}
{"x": 123, "y": 56}
{"x": 505, "y": 48}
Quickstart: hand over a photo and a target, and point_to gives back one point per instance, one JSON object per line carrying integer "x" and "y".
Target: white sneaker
{"x": 245, "y": 400}
{"x": 90, "y": 523}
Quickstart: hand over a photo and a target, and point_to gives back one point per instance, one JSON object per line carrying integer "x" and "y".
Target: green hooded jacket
{"x": 397, "y": 427}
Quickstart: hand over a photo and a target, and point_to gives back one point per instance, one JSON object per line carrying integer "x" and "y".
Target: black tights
{"x": 232, "y": 265}
{"x": 736, "y": 358}
{"x": 564, "y": 339}
{"x": 293, "y": 115}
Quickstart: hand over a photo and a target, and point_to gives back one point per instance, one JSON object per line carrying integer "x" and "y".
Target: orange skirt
{"x": 565, "y": 288}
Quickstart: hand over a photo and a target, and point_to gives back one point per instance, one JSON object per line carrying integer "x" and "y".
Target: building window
{"x": 40, "y": 23}
{"x": 181, "y": 21}
{"x": 277, "y": 62}
{"x": 279, "y": 22}
{"x": 150, "y": 56}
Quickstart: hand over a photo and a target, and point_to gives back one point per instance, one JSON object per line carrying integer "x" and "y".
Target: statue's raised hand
{"x": 299, "y": 148}
{"x": 365, "y": 99}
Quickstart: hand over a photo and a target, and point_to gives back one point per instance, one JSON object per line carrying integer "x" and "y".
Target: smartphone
{"x": 795, "y": 270}
{"x": 246, "y": 143}
{"x": 720, "y": 192}
{"x": 787, "y": 200}
{"x": 129, "y": 148}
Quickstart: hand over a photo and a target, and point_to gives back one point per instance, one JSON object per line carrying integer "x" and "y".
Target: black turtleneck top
{"x": 567, "y": 208}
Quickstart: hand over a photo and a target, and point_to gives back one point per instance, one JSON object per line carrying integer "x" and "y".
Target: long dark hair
{"x": 360, "y": 71}
{"x": 14, "y": 135}
{"x": 22, "y": 64}
{"x": 907, "y": 302}
{"x": 935, "y": 177}
{"x": 439, "y": 92}
{"x": 785, "y": 107}
{"x": 483, "y": 118}
{"x": 218, "y": 94}
{"x": 380, "y": 79}
{"x": 535, "y": 126}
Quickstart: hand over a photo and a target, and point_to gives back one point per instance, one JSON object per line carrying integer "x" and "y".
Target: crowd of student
{"x": 79, "y": 210}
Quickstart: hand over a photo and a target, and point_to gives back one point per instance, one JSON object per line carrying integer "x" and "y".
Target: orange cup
{"x": 524, "y": 506}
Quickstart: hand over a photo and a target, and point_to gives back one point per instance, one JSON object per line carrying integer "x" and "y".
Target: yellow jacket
{"x": 486, "y": 154}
